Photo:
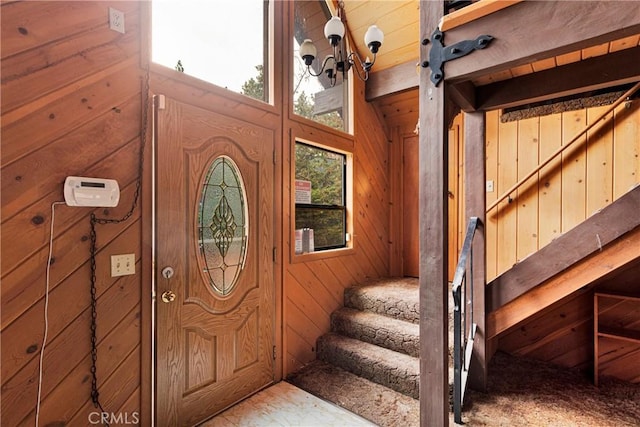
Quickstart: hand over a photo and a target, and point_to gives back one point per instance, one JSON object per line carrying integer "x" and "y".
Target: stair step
{"x": 375, "y": 402}
{"x": 397, "y": 335}
{"x": 397, "y": 371}
{"x": 395, "y": 298}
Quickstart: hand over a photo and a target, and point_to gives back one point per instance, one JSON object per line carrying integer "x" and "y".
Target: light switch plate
{"x": 123, "y": 265}
{"x": 489, "y": 186}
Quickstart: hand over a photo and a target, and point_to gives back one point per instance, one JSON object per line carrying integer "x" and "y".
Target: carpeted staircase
{"x": 369, "y": 363}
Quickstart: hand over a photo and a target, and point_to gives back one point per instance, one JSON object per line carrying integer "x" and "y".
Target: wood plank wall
{"x": 313, "y": 287}
{"x": 563, "y": 333}
{"x": 591, "y": 174}
{"x": 71, "y": 105}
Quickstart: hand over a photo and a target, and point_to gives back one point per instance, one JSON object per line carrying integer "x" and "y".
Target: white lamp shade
{"x": 334, "y": 28}
{"x": 308, "y": 50}
{"x": 374, "y": 35}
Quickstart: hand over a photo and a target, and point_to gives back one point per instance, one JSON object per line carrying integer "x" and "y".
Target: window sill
{"x": 315, "y": 256}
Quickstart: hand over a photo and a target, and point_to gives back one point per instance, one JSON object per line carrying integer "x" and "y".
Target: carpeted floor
{"x": 520, "y": 392}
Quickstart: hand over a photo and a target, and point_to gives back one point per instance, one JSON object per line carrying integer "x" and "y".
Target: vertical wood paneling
{"x": 527, "y": 203}
{"x": 626, "y": 149}
{"x": 507, "y": 209}
{"x": 454, "y": 196}
{"x": 599, "y": 161}
{"x": 410, "y": 211}
{"x": 491, "y": 230}
{"x": 592, "y": 173}
{"x": 71, "y": 105}
{"x": 550, "y": 181}
{"x": 573, "y": 170}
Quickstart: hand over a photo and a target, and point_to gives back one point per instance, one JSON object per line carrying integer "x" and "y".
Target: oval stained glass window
{"x": 223, "y": 227}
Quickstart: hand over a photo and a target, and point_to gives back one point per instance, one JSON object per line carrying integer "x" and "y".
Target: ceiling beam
{"x": 535, "y": 30}
{"x": 578, "y": 77}
{"x": 392, "y": 80}
{"x": 464, "y": 95}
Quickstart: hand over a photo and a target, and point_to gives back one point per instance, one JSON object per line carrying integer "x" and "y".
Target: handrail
{"x": 462, "y": 356}
{"x": 612, "y": 107}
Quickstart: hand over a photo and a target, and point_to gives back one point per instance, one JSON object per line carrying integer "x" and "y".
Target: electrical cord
{"x": 46, "y": 310}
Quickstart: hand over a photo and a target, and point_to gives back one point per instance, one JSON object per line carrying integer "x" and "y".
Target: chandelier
{"x": 341, "y": 60}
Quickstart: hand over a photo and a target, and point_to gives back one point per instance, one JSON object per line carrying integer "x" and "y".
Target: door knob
{"x": 168, "y": 296}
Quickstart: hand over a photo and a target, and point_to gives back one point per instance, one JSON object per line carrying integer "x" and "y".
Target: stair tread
{"x": 374, "y": 352}
{"x": 394, "y": 334}
{"x": 375, "y": 402}
{"x": 396, "y": 298}
{"x": 390, "y": 368}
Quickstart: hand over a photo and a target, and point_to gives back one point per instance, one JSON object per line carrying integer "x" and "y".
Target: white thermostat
{"x": 93, "y": 192}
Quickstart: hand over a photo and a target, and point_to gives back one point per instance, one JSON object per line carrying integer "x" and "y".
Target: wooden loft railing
{"x": 471, "y": 12}
{"x": 599, "y": 121}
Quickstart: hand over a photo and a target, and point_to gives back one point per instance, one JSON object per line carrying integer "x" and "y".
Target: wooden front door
{"x": 214, "y": 268}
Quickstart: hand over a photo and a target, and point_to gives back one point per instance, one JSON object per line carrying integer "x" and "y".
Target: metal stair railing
{"x": 463, "y": 319}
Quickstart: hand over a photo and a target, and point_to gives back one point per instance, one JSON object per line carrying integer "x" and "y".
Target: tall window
{"x": 314, "y": 97}
{"x": 224, "y": 43}
{"x": 320, "y": 176}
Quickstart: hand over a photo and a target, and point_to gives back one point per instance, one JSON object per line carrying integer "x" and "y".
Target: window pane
{"x": 328, "y": 226}
{"x": 222, "y": 225}
{"x": 313, "y": 97}
{"x": 320, "y": 198}
{"x": 205, "y": 36}
{"x": 325, "y": 170}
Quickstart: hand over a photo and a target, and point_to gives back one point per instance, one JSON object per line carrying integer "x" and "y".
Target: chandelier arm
{"x": 324, "y": 64}
{"x": 362, "y": 65}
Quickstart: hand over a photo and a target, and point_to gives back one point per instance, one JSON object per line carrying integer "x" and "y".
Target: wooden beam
{"x": 591, "y": 74}
{"x": 475, "y": 203}
{"x": 328, "y": 100}
{"x": 433, "y": 154}
{"x": 619, "y": 254}
{"x": 473, "y": 12}
{"x": 583, "y": 240}
{"x": 464, "y": 95}
{"x": 392, "y": 80}
{"x": 535, "y": 30}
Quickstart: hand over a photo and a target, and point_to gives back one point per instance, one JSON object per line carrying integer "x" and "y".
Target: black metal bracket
{"x": 439, "y": 54}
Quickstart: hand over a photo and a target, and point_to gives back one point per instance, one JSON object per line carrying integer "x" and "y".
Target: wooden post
{"x": 475, "y": 204}
{"x": 433, "y": 153}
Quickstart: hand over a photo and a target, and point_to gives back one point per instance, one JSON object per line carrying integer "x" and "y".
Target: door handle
{"x": 168, "y": 296}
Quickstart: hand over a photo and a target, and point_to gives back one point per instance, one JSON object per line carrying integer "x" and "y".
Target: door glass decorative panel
{"x": 222, "y": 225}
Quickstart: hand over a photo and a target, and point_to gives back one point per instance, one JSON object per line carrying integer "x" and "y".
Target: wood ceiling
{"x": 399, "y": 55}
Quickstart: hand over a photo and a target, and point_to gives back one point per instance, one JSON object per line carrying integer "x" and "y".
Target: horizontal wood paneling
{"x": 71, "y": 105}
{"x": 586, "y": 178}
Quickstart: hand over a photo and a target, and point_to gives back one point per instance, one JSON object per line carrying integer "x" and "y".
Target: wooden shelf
{"x": 614, "y": 309}
{"x": 619, "y": 333}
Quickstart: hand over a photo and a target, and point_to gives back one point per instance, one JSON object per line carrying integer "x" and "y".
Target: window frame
{"x": 346, "y": 85}
{"x": 347, "y": 208}
{"x": 270, "y": 97}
